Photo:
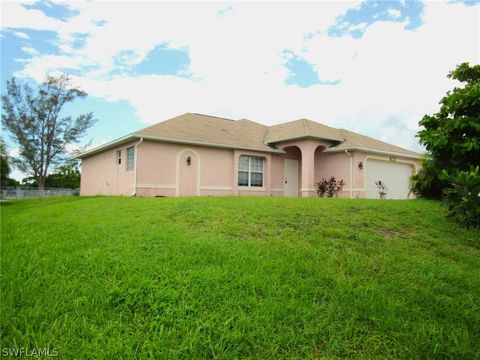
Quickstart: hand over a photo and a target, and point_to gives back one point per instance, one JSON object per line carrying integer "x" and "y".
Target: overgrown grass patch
{"x": 238, "y": 277}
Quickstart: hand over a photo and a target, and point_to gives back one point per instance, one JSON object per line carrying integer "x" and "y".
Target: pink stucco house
{"x": 194, "y": 154}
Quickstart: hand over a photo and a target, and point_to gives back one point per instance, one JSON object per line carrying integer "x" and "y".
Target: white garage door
{"x": 395, "y": 175}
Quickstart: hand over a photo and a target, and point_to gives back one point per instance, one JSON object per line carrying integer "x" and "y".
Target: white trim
{"x": 135, "y": 160}
{"x": 179, "y": 155}
{"x": 304, "y": 137}
{"x": 358, "y": 148}
{"x": 351, "y": 171}
{"x": 111, "y": 144}
{"x": 353, "y": 189}
{"x": 277, "y": 189}
{"x": 214, "y": 187}
{"x": 132, "y": 137}
{"x": 156, "y": 186}
{"x": 201, "y": 143}
{"x": 250, "y": 188}
{"x": 307, "y": 189}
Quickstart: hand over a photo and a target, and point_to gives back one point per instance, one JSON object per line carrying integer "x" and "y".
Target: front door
{"x": 290, "y": 174}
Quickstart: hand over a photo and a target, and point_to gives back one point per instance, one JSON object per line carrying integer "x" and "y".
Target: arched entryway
{"x": 188, "y": 173}
{"x": 303, "y": 154}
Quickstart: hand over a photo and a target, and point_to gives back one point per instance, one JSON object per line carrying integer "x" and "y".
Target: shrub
{"x": 330, "y": 187}
{"x": 463, "y": 197}
{"x": 452, "y": 135}
{"x": 426, "y": 183}
{"x": 382, "y": 189}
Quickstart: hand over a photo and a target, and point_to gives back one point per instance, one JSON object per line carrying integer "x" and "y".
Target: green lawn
{"x": 238, "y": 277}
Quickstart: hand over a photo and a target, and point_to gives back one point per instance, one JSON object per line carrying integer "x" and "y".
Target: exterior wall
{"x": 157, "y": 173}
{"x": 188, "y": 173}
{"x": 156, "y": 170}
{"x": 101, "y": 175}
{"x": 277, "y": 183}
{"x": 160, "y": 172}
{"x": 334, "y": 164}
{"x": 161, "y": 167}
{"x": 216, "y": 176}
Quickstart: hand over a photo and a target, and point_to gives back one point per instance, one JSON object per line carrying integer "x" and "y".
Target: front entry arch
{"x": 188, "y": 173}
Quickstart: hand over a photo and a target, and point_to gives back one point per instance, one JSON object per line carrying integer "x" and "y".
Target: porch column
{"x": 307, "y": 188}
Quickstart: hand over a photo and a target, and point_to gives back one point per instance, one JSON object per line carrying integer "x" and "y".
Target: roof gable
{"x": 206, "y": 130}
{"x": 210, "y": 130}
{"x": 357, "y": 141}
{"x": 302, "y": 128}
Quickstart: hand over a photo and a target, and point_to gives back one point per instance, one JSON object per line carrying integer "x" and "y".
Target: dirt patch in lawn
{"x": 388, "y": 234}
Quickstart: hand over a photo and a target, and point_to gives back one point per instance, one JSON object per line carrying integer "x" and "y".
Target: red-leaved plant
{"x": 330, "y": 187}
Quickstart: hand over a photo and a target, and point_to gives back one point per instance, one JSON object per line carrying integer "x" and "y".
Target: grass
{"x": 238, "y": 277}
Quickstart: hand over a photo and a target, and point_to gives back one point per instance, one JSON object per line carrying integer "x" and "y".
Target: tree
{"x": 463, "y": 197}
{"x": 452, "y": 135}
{"x": 5, "y": 167}
{"x": 35, "y": 122}
{"x": 4, "y": 163}
{"x": 428, "y": 182}
{"x": 66, "y": 176}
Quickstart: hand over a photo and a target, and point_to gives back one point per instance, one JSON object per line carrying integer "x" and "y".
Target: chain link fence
{"x": 10, "y": 193}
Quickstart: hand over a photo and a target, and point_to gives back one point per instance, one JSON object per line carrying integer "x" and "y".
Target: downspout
{"x": 134, "y": 193}
{"x": 351, "y": 173}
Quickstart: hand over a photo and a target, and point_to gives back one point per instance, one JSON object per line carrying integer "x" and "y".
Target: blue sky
{"x": 370, "y": 66}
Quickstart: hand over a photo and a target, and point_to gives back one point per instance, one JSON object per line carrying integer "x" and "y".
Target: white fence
{"x": 29, "y": 193}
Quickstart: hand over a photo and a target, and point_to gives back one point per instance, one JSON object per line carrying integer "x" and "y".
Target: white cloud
{"x": 15, "y": 173}
{"x": 14, "y": 152}
{"x": 29, "y": 50}
{"x": 21, "y": 35}
{"x": 16, "y": 16}
{"x": 238, "y": 68}
{"x": 394, "y": 13}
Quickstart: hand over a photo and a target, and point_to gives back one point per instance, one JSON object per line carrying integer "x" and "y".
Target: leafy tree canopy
{"x": 66, "y": 176}
{"x": 4, "y": 162}
{"x": 35, "y": 122}
{"x": 452, "y": 135}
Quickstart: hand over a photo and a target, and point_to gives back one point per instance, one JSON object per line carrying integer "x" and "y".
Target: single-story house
{"x": 194, "y": 154}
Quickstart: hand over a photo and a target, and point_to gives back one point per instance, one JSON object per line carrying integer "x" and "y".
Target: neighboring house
{"x": 195, "y": 154}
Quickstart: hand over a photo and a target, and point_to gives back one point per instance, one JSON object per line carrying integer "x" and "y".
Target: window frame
{"x": 132, "y": 148}
{"x": 250, "y": 171}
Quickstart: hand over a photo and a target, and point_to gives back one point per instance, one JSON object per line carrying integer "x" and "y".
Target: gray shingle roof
{"x": 192, "y": 128}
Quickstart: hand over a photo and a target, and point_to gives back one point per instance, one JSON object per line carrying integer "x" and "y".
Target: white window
{"x": 130, "y": 158}
{"x": 250, "y": 171}
{"x": 119, "y": 157}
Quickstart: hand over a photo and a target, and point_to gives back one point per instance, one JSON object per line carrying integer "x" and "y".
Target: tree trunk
{"x": 41, "y": 186}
